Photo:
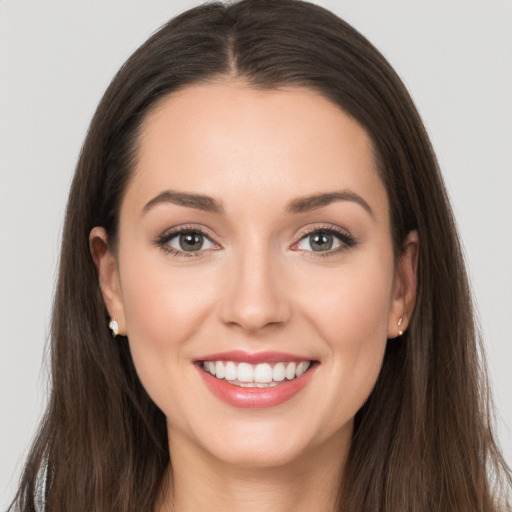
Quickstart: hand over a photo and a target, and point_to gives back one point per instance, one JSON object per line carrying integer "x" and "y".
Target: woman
{"x": 261, "y": 301}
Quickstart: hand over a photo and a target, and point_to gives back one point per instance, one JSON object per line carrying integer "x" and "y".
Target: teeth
{"x": 278, "y": 372}
{"x": 256, "y": 384}
{"x": 245, "y": 373}
{"x": 219, "y": 370}
{"x": 231, "y": 371}
{"x": 290, "y": 371}
{"x": 259, "y": 375}
{"x": 301, "y": 368}
{"x": 263, "y": 373}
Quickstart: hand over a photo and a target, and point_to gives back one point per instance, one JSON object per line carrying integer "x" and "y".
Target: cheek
{"x": 351, "y": 305}
{"x": 349, "y": 310}
{"x": 164, "y": 311}
{"x": 163, "y": 301}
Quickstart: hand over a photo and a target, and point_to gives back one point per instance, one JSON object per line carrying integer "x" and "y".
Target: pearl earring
{"x": 114, "y": 327}
{"x": 400, "y": 332}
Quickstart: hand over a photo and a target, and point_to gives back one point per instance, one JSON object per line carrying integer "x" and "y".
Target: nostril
{"x": 253, "y": 319}
{"x": 254, "y": 299}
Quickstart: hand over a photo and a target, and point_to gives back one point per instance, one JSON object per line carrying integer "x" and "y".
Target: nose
{"x": 256, "y": 298}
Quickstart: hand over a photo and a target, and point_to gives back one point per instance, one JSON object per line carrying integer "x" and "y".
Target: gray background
{"x": 56, "y": 59}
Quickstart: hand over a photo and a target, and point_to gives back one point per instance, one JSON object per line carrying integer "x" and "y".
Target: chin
{"x": 261, "y": 444}
{"x": 255, "y": 456}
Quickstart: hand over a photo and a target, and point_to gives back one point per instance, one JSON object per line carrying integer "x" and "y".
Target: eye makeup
{"x": 327, "y": 236}
{"x": 316, "y": 241}
{"x": 190, "y": 239}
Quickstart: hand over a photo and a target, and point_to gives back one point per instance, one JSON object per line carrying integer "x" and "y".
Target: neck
{"x": 201, "y": 481}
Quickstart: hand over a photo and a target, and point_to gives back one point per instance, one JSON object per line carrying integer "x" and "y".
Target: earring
{"x": 114, "y": 327}
{"x": 400, "y": 332}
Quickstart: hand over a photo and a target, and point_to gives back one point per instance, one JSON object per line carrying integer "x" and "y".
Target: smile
{"x": 261, "y": 375}
{"x": 261, "y": 380}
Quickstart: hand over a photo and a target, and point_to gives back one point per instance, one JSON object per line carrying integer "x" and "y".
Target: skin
{"x": 256, "y": 286}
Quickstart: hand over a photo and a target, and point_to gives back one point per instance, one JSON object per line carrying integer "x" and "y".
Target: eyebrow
{"x": 308, "y": 203}
{"x": 196, "y": 201}
{"x": 299, "y": 205}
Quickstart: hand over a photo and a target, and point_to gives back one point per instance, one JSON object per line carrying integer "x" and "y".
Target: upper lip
{"x": 239, "y": 356}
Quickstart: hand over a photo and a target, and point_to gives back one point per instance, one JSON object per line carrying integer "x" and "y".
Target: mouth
{"x": 259, "y": 380}
{"x": 262, "y": 375}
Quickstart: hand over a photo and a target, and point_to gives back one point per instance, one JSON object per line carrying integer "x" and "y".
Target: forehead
{"x": 229, "y": 140}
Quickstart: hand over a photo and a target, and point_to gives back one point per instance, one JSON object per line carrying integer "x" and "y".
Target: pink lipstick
{"x": 259, "y": 380}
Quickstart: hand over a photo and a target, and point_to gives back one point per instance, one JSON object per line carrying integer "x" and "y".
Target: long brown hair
{"x": 423, "y": 441}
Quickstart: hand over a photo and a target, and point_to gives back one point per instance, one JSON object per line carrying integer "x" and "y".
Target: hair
{"x": 423, "y": 441}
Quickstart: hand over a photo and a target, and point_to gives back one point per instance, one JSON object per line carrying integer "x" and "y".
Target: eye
{"x": 186, "y": 242}
{"x": 325, "y": 240}
{"x": 190, "y": 241}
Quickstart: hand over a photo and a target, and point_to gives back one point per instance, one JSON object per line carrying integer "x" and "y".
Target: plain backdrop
{"x": 57, "y": 58}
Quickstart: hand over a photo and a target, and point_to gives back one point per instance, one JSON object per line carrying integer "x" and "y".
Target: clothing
{"x": 41, "y": 486}
{"x": 40, "y": 490}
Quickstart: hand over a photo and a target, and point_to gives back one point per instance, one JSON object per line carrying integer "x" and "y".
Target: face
{"x": 255, "y": 243}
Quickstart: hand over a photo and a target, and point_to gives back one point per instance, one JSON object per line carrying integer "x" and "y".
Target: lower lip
{"x": 256, "y": 398}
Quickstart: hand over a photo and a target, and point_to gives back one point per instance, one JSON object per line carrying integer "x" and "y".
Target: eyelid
{"x": 322, "y": 227}
{"x": 347, "y": 240}
{"x": 162, "y": 241}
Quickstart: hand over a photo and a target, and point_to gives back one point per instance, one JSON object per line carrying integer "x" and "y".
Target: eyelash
{"x": 163, "y": 241}
{"x": 347, "y": 240}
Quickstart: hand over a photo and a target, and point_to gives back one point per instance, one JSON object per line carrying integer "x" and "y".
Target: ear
{"x": 404, "y": 292}
{"x": 108, "y": 274}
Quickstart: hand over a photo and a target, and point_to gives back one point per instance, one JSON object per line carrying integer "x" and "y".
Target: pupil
{"x": 321, "y": 242}
{"x": 191, "y": 241}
